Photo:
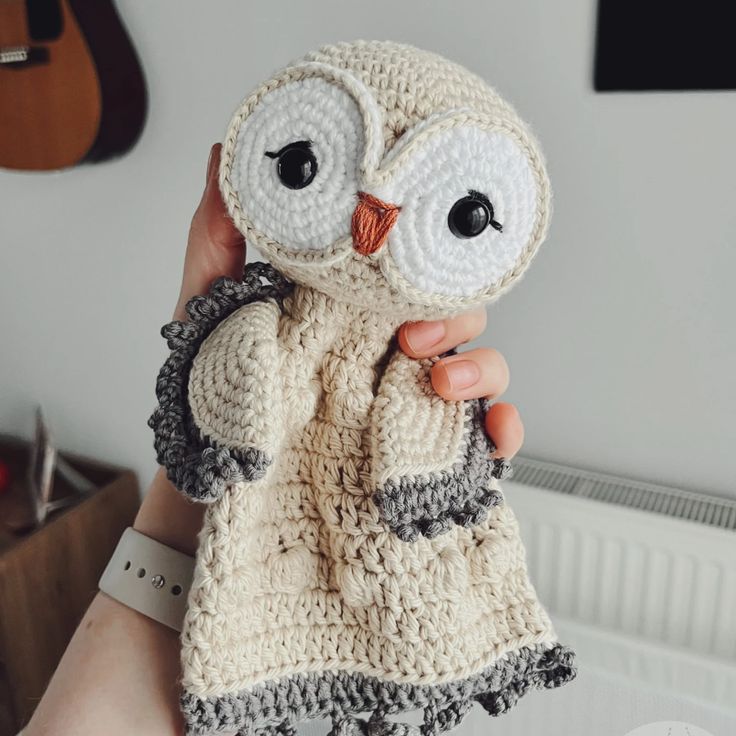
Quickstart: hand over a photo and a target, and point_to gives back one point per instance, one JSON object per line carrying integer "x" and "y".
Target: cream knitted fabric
{"x": 358, "y": 555}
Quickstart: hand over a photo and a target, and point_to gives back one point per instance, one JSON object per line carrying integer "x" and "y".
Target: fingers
{"x": 482, "y": 373}
{"x": 475, "y": 374}
{"x": 427, "y": 339}
{"x": 505, "y": 428}
{"x": 471, "y": 375}
{"x": 215, "y": 246}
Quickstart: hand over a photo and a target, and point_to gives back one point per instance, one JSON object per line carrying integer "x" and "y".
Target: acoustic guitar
{"x": 71, "y": 86}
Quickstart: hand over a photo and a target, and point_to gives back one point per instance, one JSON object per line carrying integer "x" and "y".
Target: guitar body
{"x": 80, "y": 93}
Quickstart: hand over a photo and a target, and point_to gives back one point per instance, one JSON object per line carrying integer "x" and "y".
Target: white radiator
{"x": 641, "y": 579}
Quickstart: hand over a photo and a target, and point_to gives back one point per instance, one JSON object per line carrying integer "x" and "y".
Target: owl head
{"x": 387, "y": 177}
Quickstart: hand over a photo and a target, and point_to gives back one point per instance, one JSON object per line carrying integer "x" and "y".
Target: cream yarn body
{"x": 358, "y": 555}
{"x": 297, "y": 573}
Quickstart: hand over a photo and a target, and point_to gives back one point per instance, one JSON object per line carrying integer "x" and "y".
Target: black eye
{"x": 296, "y": 165}
{"x": 471, "y": 215}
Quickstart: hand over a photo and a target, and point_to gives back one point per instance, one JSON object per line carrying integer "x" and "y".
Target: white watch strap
{"x": 149, "y": 577}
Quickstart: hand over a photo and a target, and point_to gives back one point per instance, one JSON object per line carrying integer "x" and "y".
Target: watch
{"x": 150, "y": 578}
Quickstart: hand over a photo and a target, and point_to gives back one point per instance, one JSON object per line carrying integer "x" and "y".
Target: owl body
{"x": 358, "y": 555}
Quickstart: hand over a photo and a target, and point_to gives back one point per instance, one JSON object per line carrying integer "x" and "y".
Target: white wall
{"x": 621, "y": 339}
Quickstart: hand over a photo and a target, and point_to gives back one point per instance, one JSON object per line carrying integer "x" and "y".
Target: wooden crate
{"x": 49, "y": 576}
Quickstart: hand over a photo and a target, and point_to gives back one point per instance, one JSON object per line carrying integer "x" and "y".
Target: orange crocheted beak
{"x": 372, "y": 220}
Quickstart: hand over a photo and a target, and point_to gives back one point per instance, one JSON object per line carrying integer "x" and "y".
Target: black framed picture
{"x": 665, "y": 45}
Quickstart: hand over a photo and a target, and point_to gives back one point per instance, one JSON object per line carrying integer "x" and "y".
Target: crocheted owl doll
{"x": 357, "y": 555}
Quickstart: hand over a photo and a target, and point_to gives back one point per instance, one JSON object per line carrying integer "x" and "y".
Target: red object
{"x": 4, "y": 477}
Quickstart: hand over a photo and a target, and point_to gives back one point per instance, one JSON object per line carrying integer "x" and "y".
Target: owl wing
{"x": 431, "y": 464}
{"x": 214, "y": 424}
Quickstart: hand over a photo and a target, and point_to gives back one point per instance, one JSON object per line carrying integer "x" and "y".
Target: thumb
{"x": 215, "y": 246}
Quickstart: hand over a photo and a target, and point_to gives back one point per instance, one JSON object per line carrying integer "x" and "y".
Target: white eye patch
{"x": 301, "y": 196}
{"x": 490, "y": 179}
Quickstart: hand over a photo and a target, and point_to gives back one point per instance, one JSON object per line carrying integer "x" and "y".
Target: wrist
{"x": 169, "y": 517}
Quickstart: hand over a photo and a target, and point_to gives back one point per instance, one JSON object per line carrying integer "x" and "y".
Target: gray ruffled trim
{"x": 274, "y": 708}
{"x": 194, "y": 463}
{"x": 429, "y": 505}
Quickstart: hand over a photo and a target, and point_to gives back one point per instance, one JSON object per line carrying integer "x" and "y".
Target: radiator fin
{"x": 697, "y": 507}
{"x": 653, "y": 571}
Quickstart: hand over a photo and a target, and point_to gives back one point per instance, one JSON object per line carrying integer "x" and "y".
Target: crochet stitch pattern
{"x": 358, "y": 559}
{"x": 429, "y": 504}
{"x": 196, "y": 464}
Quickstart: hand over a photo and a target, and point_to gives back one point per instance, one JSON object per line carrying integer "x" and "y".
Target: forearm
{"x": 120, "y": 671}
{"x": 119, "y": 675}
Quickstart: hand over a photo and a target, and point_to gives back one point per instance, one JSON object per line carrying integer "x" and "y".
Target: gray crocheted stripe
{"x": 430, "y": 504}
{"x": 194, "y": 463}
{"x": 276, "y": 707}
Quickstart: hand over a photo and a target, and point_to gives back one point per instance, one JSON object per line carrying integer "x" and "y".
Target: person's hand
{"x": 103, "y": 677}
{"x": 122, "y": 669}
{"x": 216, "y": 248}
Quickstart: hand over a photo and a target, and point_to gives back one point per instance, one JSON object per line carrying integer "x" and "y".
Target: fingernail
{"x": 421, "y": 336}
{"x": 461, "y": 374}
{"x": 211, "y": 163}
